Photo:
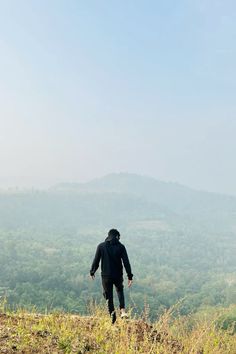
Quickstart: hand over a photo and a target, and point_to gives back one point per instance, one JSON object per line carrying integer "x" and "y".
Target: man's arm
{"x": 96, "y": 261}
{"x": 126, "y": 263}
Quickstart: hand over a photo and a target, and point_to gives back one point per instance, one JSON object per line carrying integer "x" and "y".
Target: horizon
{"x": 98, "y": 178}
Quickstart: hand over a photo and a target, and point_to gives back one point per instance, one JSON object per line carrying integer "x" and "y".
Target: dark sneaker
{"x": 113, "y": 317}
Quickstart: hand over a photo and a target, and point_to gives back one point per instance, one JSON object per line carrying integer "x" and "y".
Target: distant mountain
{"x": 171, "y": 196}
{"x": 117, "y": 199}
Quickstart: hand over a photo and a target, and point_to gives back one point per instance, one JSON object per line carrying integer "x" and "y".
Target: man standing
{"x": 112, "y": 253}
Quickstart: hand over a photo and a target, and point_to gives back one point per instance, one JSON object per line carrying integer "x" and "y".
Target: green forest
{"x": 181, "y": 244}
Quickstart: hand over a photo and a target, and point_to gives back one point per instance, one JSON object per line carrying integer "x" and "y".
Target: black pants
{"x": 107, "y": 284}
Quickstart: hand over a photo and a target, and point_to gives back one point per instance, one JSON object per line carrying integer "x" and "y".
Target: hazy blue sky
{"x": 93, "y": 87}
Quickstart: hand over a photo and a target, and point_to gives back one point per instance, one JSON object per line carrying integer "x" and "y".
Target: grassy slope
{"x": 23, "y": 332}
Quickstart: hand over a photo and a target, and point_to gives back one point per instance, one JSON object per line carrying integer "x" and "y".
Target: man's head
{"x": 113, "y": 233}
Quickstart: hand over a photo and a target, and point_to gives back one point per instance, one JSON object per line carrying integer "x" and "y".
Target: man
{"x": 112, "y": 253}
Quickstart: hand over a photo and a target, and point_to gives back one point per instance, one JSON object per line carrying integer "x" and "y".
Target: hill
{"x": 173, "y": 196}
{"x": 24, "y": 332}
{"x": 115, "y": 199}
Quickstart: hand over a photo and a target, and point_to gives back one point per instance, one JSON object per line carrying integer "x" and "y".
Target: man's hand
{"x": 92, "y": 277}
{"x": 130, "y": 282}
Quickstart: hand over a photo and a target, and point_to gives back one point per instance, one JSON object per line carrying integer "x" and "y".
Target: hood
{"x": 112, "y": 239}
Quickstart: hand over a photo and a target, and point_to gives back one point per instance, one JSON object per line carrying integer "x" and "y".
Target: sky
{"x": 89, "y": 88}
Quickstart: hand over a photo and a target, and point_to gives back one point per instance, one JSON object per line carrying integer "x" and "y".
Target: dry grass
{"x": 24, "y": 332}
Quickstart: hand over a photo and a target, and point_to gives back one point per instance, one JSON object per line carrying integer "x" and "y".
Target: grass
{"x": 24, "y": 332}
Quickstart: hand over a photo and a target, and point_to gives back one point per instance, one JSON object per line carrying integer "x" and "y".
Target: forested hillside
{"x": 181, "y": 244}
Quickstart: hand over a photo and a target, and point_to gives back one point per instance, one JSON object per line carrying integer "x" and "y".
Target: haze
{"x": 90, "y": 88}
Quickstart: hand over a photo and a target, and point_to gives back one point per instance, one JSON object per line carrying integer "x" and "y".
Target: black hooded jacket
{"x": 111, "y": 253}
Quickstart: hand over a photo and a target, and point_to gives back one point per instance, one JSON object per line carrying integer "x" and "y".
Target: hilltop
{"x": 30, "y": 333}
